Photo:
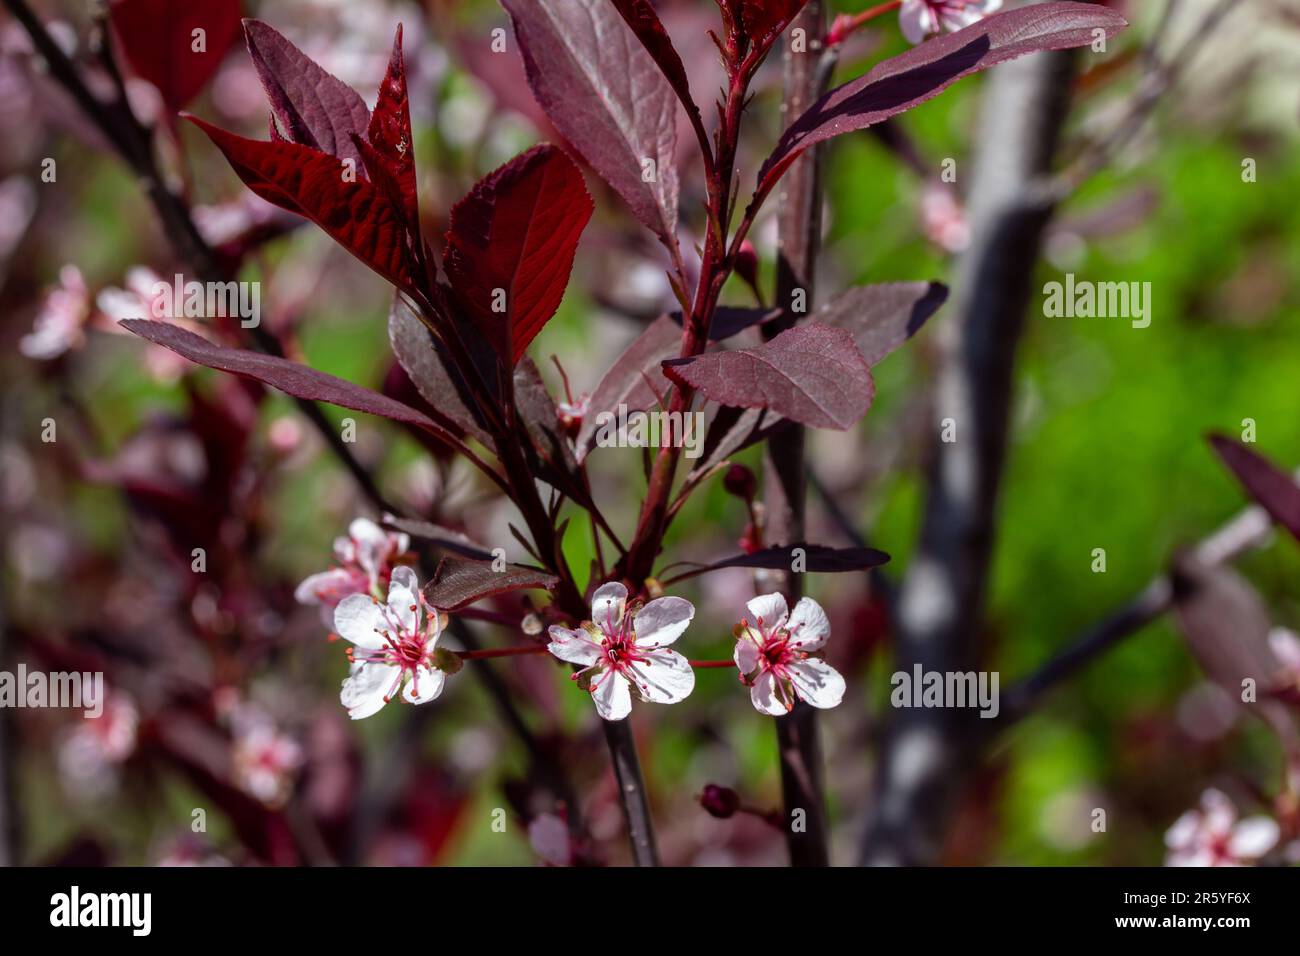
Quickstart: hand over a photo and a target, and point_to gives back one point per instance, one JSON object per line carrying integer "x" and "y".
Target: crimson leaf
{"x": 812, "y": 374}
{"x": 1269, "y": 485}
{"x": 390, "y": 154}
{"x": 761, "y": 19}
{"x": 902, "y": 82}
{"x": 461, "y": 581}
{"x": 355, "y": 213}
{"x": 607, "y": 97}
{"x": 289, "y": 377}
{"x": 882, "y": 317}
{"x": 310, "y": 107}
{"x": 159, "y": 41}
{"x": 511, "y": 243}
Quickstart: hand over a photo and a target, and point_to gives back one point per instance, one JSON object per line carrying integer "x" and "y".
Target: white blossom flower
{"x": 1285, "y": 645}
{"x": 365, "y": 563}
{"x": 265, "y": 760}
{"x": 1211, "y": 835}
{"x": 624, "y": 648}
{"x": 394, "y": 642}
{"x": 773, "y": 656}
{"x": 920, "y": 18}
{"x": 61, "y": 323}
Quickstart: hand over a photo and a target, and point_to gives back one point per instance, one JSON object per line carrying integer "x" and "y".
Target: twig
{"x": 799, "y": 223}
{"x": 631, "y": 791}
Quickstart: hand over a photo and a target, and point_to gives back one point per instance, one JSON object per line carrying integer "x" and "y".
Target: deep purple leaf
{"x": 882, "y": 317}
{"x": 289, "y": 377}
{"x": 607, "y": 97}
{"x": 817, "y": 558}
{"x": 436, "y": 379}
{"x": 732, "y": 430}
{"x": 902, "y": 82}
{"x": 812, "y": 374}
{"x": 459, "y": 582}
{"x": 1269, "y": 485}
{"x": 444, "y": 538}
{"x": 636, "y": 379}
{"x": 310, "y": 106}
{"x": 650, "y": 30}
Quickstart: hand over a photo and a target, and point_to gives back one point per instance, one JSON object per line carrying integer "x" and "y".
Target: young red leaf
{"x": 355, "y": 213}
{"x": 1269, "y": 485}
{"x": 310, "y": 107}
{"x": 161, "y": 41}
{"x": 812, "y": 374}
{"x": 390, "y": 160}
{"x": 607, "y": 97}
{"x": 882, "y": 317}
{"x": 762, "y": 19}
{"x": 459, "y": 582}
{"x": 902, "y": 82}
{"x": 649, "y": 29}
{"x": 511, "y": 244}
{"x": 289, "y": 377}
{"x": 636, "y": 379}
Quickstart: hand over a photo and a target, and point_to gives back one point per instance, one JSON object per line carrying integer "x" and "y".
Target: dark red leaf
{"x": 730, "y": 431}
{"x": 760, "y": 19}
{"x": 310, "y": 107}
{"x": 158, "y": 38}
{"x": 443, "y": 537}
{"x": 511, "y": 243}
{"x": 391, "y": 158}
{"x": 1269, "y": 485}
{"x": 607, "y": 97}
{"x": 636, "y": 379}
{"x": 882, "y": 317}
{"x": 812, "y": 374}
{"x": 907, "y": 80}
{"x": 357, "y": 215}
{"x": 289, "y": 377}
{"x": 462, "y": 581}
{"x": 436, "y": 379}
{"x": 816, "y": 558}
{"x": 649, "y": 29}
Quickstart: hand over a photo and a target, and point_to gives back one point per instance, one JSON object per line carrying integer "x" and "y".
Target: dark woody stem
{"x": 784, "y": 492}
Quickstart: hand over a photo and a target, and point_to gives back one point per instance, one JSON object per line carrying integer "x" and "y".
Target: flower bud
{"x": 720, "y": 802}
{"x": 740, "y": 482}
{"x": 747, "y": 263}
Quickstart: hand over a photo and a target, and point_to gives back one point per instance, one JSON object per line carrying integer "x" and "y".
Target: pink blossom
{"x": 920, "y": 18}
{"x": 365, "y": 563}
{"x": 61, "y": 323}
{"x": 773, "y": 656}
{"x": 395, "y": 642}
{"x": 1286, "y": 648}
{"x": 943, "y": 219}
{"x": 624, "y": 648}
{"x": 1211, "y": 835}
{"x": 90, "y": 756}
{"x": 265, "y": 760}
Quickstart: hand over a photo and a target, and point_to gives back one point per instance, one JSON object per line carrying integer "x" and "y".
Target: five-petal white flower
{"x": 920, "y": 18}
{"x": 365, "y": 560}
{"x": 1211, "y": 835}
{"x": 772, "y": 655}
{"x": 624, "y": 648}
{"x": 393, "y": 642}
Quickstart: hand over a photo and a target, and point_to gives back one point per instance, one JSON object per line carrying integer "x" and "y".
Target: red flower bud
{"x": 721, "y": 802}
{"x": 747, "y": 263}
{"x": 740, "y": 482}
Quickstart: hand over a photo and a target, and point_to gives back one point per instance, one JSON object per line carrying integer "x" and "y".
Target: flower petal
{"x": 366, "y": 691}
{"x": 767, "y": 696}
{"x": 359, "y": 618}
{"x": 808, "y": 625}
{"x": 816, "y": 682}
{"x": 771, "y": 609}
{"x": 917, "y": 20}
{"x": 423, "y": 685}
{"x": 665, "y": 677}
{"x": 662, "y": 621}
{"x": 747, "y": 654}
{"x": 612, "y": 696}
{"x": 404, "y": 576}
{"x": 329, "y": 587}
{"x": 573, "y": 646}
{"x": 1253, "y": 837}
{"x": 607, "y": 605}
{"x": 403, "y": 605}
